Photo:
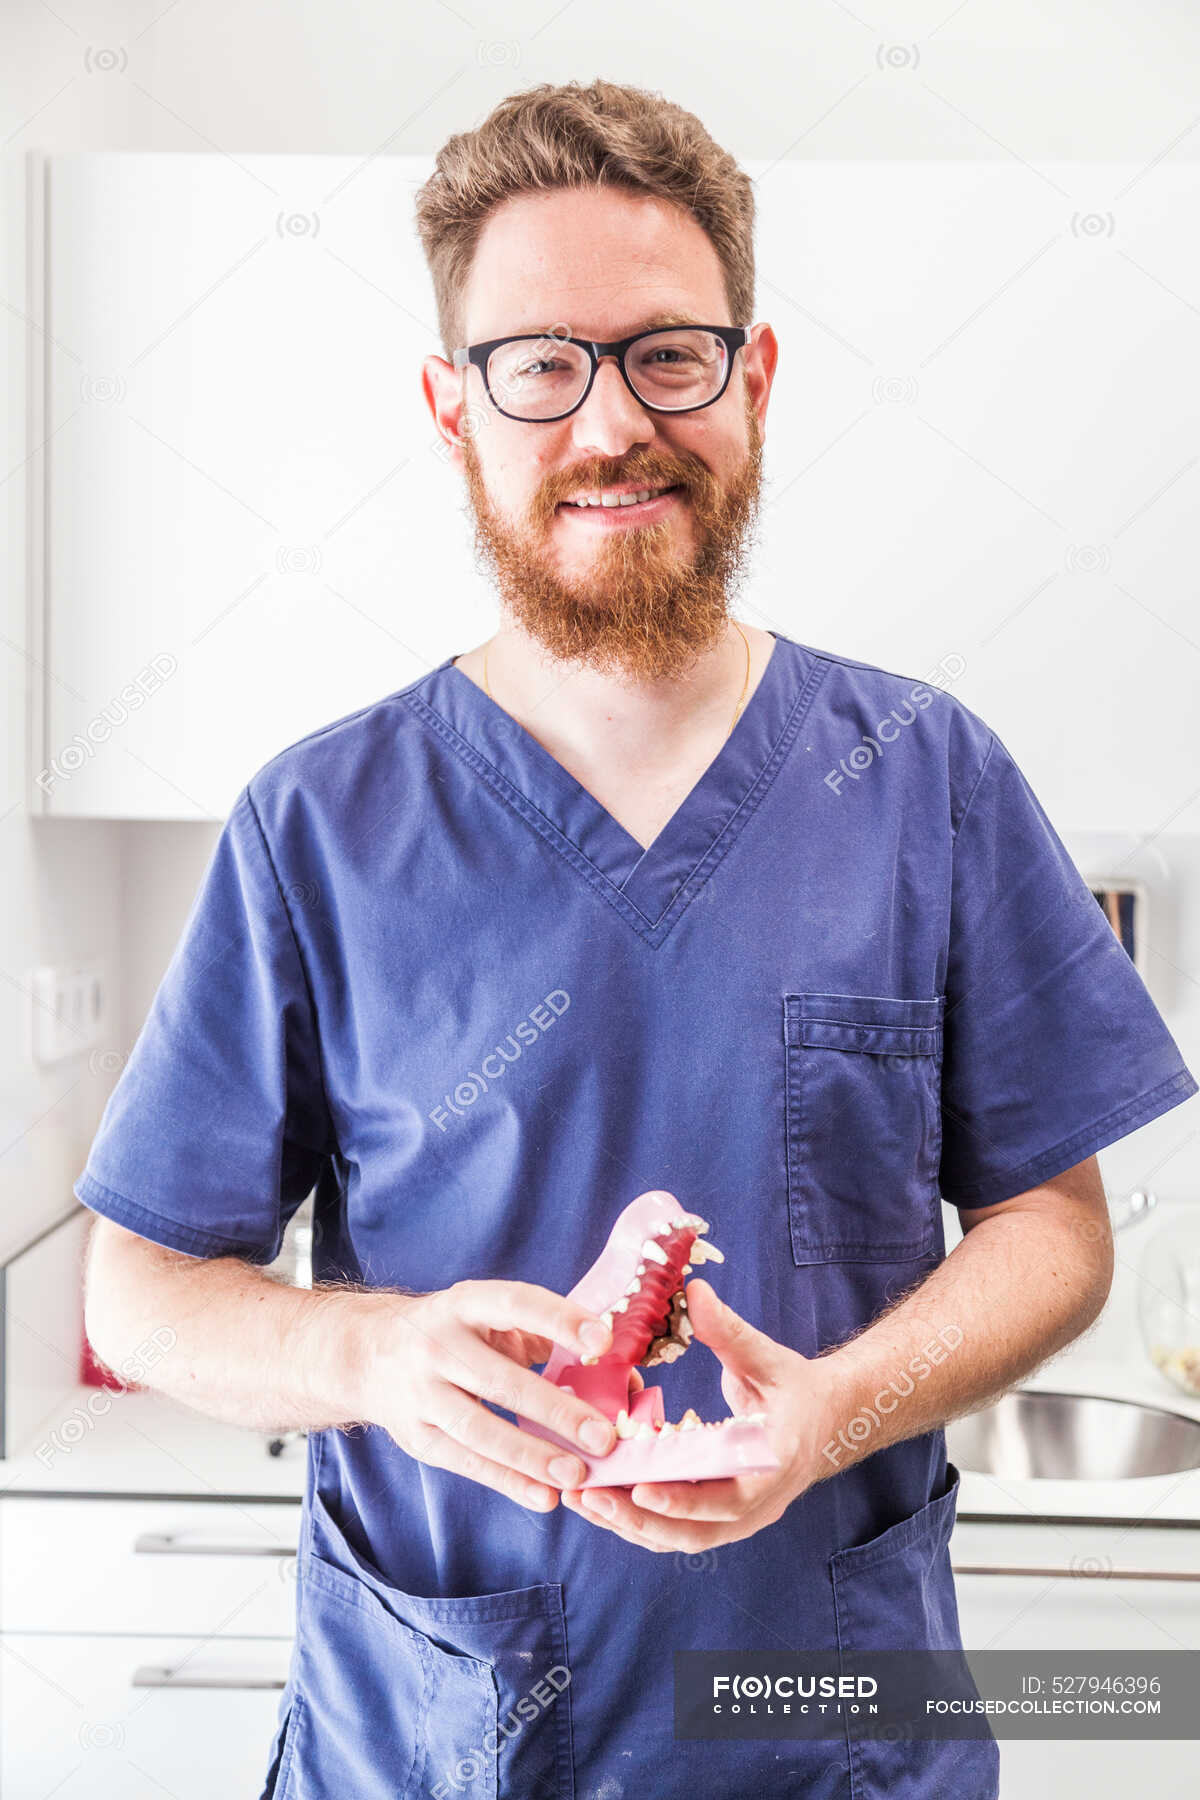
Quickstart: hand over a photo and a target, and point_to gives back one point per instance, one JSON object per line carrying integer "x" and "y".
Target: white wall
{"x": 59, "y": 882}
{"x": 1086, "y": 82}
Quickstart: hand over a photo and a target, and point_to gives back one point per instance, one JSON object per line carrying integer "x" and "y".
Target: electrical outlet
{"x": 68, "y": 1011}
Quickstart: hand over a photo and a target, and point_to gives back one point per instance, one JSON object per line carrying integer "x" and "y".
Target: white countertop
{"x": 141, "y": 1442}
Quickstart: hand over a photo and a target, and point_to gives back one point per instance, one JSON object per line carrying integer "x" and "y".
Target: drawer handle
{"x": 1049, "y": 1573}
{"x": 170, "y": 1543}
{"x": 149, "y": 1675}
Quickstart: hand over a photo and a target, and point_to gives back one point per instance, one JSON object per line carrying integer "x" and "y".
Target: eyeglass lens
{"x": 540, "y": 378}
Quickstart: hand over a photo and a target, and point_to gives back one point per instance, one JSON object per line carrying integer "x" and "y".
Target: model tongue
{"x": 649, "y": 1322}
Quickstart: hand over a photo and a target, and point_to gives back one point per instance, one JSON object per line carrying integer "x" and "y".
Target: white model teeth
{"x": 655, "y": 1252}
{"x": 705, "y": 1253}
{"x": 625, "y": 1425}
{"x": 690, "y": 1420}
{"x": 609, "y": 498}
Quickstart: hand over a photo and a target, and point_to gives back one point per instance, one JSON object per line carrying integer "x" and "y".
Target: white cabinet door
{"x": 80, "y": 1723}
{"x": 249, "y": 530}
{"x": 179, "y": 1567}
{"x": 1082, "y": 1597}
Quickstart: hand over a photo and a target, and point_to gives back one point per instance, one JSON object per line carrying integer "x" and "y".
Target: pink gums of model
{"x": 636, "y": 1284}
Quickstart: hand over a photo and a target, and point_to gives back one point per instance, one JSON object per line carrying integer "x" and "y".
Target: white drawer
{"x": 172, "y": 1566}
{"x": 75, "y": 1723}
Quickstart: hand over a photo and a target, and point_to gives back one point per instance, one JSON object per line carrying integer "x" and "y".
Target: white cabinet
{"x": 129, "y": 1718}
{"x": 245, "y": 513}
{"x": 144, "y": 1644}
{"x": 1080, "y": 1592}
{"x": 245, "y": 525}
{"x": 176, "y": 1566}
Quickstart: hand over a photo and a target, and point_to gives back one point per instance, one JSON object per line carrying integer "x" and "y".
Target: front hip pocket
{"x": 399, "y": 1694}
{"x": 863, "y": 1125}
{"x": 896, "y": 1593}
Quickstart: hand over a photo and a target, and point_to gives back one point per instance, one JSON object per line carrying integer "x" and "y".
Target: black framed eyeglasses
{"x": 540, "y": 376}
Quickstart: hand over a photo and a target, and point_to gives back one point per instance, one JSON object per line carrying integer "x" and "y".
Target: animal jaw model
{"x": 636, "y": 1286}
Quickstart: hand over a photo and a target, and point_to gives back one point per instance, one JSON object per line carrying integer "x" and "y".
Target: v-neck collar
{"x": 650, "y": 886}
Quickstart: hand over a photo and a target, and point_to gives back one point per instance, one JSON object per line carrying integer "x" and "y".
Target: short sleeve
{"x": 1053, "y": 1047}
{"x": 218, "y": 1127}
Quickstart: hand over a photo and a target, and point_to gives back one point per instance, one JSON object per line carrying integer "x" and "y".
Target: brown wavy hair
{"x": 571, "y": 136}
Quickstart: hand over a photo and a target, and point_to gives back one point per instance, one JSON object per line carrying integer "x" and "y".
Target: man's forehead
{"x": 517, "y": 324}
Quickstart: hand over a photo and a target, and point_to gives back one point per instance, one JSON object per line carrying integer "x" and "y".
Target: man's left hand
{"x": 798, "y": 1395}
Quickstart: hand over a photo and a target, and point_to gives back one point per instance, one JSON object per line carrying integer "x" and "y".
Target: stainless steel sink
{"x": 1073, "y": 1437}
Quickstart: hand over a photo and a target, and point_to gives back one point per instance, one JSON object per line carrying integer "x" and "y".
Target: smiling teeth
{"x": 608, "y": 498}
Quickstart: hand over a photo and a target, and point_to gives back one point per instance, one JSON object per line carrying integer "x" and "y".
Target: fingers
{"x": 540, "y": 1401}
{"x": 642, "y": 1528}
{"x": 446, "y": 1348}
{"x": 461, "y": 1418}
{"x": 453, "y": 1353}
{"x": 523, "y": 1306}
{"x": 710, "y": 1501}
{"x": 433, "y": 1446}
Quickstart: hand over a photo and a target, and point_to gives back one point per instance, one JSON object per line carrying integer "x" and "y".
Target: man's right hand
{"x": 438, "y": 1356}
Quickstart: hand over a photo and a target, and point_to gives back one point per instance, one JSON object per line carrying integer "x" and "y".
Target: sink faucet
{"x": 1133, "y": 1210}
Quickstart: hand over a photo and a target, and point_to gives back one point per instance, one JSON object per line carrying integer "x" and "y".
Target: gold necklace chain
{"x": 741, "y": 697}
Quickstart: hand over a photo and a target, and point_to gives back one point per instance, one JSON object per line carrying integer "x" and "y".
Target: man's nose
{"x": 611, "y": 418}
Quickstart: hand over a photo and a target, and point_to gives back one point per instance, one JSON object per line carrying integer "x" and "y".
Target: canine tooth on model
{"x": 704, "y": 1253}
{"x": 655, "y": 1252}
{"x": 624, "y": 1424}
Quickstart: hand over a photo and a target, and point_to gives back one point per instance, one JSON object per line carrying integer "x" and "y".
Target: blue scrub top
{"x": 429, "y": 975}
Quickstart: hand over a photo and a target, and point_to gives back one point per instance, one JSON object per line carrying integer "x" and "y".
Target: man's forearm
{"x": 231, "y": 1342}
{"x": 1022, "y": 1284}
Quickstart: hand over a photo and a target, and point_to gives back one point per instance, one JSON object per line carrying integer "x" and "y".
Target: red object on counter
{"x": 94, "y": 1373}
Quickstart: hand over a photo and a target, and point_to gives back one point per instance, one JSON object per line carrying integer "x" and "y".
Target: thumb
{"x": 739, "y": 1345}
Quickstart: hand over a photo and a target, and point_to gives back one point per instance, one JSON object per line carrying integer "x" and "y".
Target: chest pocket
{"x": 863, "y": 1126}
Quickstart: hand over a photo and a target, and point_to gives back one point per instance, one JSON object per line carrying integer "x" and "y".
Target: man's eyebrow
{"x": 663, "y": 321}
